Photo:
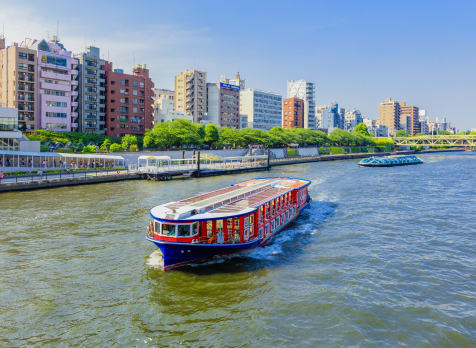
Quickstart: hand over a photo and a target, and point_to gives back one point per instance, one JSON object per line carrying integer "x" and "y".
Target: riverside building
{"x": 92, "y": 92}
{"x": 58, "y": 86}
{"x": 19, "y": 83}
{"x": 389, "y": 114}
{"x": 191, "y": 94}
{"x": 264, "y": 109}
{"x": 413, "y": 120}
{"x": 293, "y": 113}
{"x": 223, "y": 103}
{"x": 351, "y": 119}
{"x": 306, "y": 91}
{"x": 164, "y": 107}
{"x": 129, "y": 101}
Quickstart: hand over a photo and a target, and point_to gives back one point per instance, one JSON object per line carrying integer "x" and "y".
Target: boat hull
{"x": 179, "y": 254}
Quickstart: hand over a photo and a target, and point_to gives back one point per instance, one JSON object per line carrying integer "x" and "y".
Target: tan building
{"x": 19, "y": 83}
{"x": 411, "y": 113}
{"x": 191, "y": 93}
{"x": 389, "y": 115}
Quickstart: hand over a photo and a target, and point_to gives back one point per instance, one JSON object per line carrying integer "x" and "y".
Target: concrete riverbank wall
{"x": 42, "y": 184}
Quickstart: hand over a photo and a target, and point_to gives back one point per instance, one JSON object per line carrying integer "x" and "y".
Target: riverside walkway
{"x": 167, "y": 169}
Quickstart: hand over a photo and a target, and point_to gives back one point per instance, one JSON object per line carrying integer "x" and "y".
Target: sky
{"x": 356, "y": 52}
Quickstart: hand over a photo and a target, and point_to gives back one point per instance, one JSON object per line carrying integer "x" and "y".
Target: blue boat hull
{"x": 179, "y": 254}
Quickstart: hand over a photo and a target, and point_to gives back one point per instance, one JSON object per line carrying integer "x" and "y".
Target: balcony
{"x": 74, "y": 114}
{"x": 74, "y": 104}
{"x": 51, "y": 75}
{"x": 74, "y": 82}
{"x": 74, "y": 93}
{"x": 74, "y": 125}
{"x": 74, "y": 72}
{"x": 55, "y": 86}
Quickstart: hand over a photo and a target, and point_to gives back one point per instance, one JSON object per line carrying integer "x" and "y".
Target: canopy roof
{"x": 231, "y": 201}
{"x": 64, "y": 155}
{"x": 154, "y": 157}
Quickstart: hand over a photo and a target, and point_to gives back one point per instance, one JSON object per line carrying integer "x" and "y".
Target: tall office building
{"x": 19, "y": 83}
{"x": 92, "y": 92}
{"x": 329, "y": 117}
{"x": 293, "y": 113}
{"x": 264, "y": 109}
{"x": 389, "y": 114}
{"x": 411, "y": 112}
{"x": 223, "y": 103}
{"x": 306, "y": 91}
{"x": 191, "y": 93}
{"x": 129, "y": 99}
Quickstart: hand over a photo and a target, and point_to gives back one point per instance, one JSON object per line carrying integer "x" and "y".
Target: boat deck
{"x": 234, "y": 200}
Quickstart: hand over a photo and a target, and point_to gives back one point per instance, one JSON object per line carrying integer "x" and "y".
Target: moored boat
{"x": 390, "y": 161}
{"x": 236, "y": 218}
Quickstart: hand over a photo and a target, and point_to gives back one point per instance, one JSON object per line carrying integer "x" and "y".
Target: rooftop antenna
{"x": 57, "y": 30}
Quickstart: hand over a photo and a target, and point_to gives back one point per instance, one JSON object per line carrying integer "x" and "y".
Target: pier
{"x": 163, "y": 168}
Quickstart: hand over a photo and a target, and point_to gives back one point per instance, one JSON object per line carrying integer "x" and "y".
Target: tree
{"x": 105, "y": 145}
{"x": 89, "y": 149}
{"x": 115, "y": 148}
{"x": 362, "y": 129}
{"x": 444, "y": 132}
{"x": 420, "y": 134}
{"x": 402, "y": 133}
{"x": 211, "y": 134}
{"x": 128, "y": 140}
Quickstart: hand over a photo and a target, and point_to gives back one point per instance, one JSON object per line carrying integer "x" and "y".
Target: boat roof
{"x": 232, "y": 201}
{"x": 151, "y": 157}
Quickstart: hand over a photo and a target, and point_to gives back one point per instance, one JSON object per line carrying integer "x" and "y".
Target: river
{"x": 384, "y": 256}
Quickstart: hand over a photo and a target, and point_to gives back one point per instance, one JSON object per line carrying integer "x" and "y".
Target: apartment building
{"x": 223, "y": 103}
{"x": 58, "y": 86}
{"x": 191, "y": 93}
{"x": 293, "y": 113}
{"x": 164, "y": 107}
{"x": 351, "y": 119}
{"x": 306, "y": 91}
{"x": 92, "y": 91}
{"x": 413, "y": 118}
{"x": 19, "y": 83}
{"x": 264, "y": 109}
{"x": 389, "y": 114}
{"x": 129, "y": 101}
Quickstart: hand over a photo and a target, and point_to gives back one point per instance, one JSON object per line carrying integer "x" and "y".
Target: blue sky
{"x": 357, "y": 52}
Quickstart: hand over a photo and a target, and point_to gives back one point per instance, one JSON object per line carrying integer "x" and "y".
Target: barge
{"x": 233, "y": 219}
{"x": 390, "y": 161}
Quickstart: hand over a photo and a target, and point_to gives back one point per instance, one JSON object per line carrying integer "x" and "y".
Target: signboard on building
{"x": 228, "y": 86}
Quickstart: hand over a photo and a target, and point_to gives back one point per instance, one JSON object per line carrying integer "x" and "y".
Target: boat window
{"x": 261, "y": 232}
{"x": 196, "y": 228}
{"x": 252, "y": 220}
{"x": 168, "y": 229}
{"x": 229, "y": 225}
{"x": 157, "y": 227}
{"x": 209, "y": 228}
{"x": 267, "y": 229}
{"x": 272, "y": 225}
{"x": 219, "y": 225}
{"x": 183, "y": 230}
{"x": 247, "y": 221}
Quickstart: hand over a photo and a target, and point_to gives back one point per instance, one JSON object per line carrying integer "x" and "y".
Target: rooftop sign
{"x": 228, "y": 86}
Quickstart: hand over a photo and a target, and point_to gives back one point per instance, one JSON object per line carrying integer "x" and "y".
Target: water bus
{"x": 390, "y": 161}
{"x": 233, "y": 219}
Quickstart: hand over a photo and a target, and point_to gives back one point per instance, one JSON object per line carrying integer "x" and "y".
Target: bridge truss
{"x": 438, "y": 140}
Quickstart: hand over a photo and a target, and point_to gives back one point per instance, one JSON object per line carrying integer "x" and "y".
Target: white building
{"x": 11, "y": 139}
{"x": 306, "y": 91}
{"x": 164, "y": 107}
{"x": 375, "y": 128}
{"x": 243, "y": 121}
{"x": 264, "y": 109}
{"x": 352, "y": 118}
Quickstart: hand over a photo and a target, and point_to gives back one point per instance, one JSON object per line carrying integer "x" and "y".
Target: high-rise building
{"x": 191, "y": 93}
{"x": 92, "y": 92}
{"x": 306, "y": 91}
{"x": 223, "y": 103}
{"x": 352, "y": 119}
{"x": 413, "y": 125}
{"x": 58, "y": 86}
{"x": 293, "y": 113}
{"x": 19, "y": 83}
{"x": 264, "y": 109}
{"x": 129, "y": 101}
{"x": 389, "y": 114}
{"x": 237, "y": 81}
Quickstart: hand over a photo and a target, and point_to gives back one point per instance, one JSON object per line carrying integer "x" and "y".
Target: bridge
{"x": 438, "y": 140}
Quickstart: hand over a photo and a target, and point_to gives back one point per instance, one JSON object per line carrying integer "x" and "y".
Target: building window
{"x": 22, "y": 55}
{"x": 134, "y": 91}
